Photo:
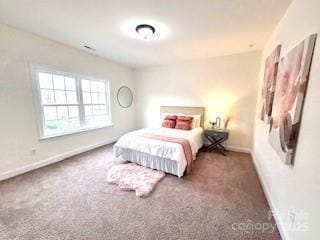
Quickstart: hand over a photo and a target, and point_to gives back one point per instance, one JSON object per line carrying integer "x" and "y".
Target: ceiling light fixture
{"x": 145, "y": 30}
{"x": 156, "y": 30}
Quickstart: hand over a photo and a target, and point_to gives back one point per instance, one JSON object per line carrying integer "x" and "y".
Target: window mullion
{"x": 108, "y": 100}
{"x": 65, "y": 95}
{"x": 80, "y": 99}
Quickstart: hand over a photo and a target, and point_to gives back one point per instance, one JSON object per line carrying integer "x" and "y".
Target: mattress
{"x": 156, "y": 154}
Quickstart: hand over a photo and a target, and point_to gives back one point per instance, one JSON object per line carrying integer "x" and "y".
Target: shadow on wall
{"x": 241, "y": 118}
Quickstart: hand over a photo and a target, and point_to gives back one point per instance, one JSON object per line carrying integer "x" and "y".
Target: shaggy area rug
{"x": 132, "y": 177}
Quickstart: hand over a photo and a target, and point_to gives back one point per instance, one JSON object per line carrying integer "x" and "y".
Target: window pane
{"x": 45, "y": 80}
{"x": 60, "y": 126}
{"x": 50, "y": 113}
{"x": 94, "y": 86}
{"x": 60, "y": 97}
{"x": 86, "y": 98}
{"x": 86, "y": 85}
{"x": 94, "y": 98}
{"x": 100, "y": 120}
{"x": 47, "y": 96}
{"x": 101, "y": 87}
{"x": 103, "y": 110}
{"x": 89, "y": 122}
{"x": 95, "y": 110}
{"x": 70, "y": 83}
{"x": 73, "y": 112}
{"x": 71, "y": 97}
{"x": 58, "y": 82}
{"x": 88, "y": 110}
{"x": 73, "y": 124}
{"x": 51, "y": 127}
{"x": 102, "y": 98}
{"x": 62, "y": 113}
{"x": 103, "y": 120}
{"x": 96, "y": 121}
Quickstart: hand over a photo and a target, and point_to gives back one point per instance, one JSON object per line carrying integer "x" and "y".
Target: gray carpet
{"x": 220, "y": 199}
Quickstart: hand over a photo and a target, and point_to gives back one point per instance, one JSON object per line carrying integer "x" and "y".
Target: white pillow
{"x": 197, "y": 119}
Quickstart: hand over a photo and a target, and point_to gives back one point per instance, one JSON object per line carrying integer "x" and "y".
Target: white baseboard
{"x": 57, "y": 158}
{"x": 266, "y": 191}
{"x": 238, "y": 149}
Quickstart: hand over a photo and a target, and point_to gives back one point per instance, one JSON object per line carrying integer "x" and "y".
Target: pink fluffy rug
{"x": 132, "y": 177}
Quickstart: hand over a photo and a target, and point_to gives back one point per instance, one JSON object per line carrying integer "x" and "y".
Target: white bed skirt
{"x": 151, "y": 161}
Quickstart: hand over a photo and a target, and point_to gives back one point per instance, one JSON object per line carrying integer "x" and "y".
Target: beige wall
{"x": 18, "y": 129}
{"x": 225, "y": 85}
{"x": 295, "y": 189}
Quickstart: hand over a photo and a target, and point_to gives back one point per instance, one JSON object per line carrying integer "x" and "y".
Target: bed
{"x": 158, "y": 154}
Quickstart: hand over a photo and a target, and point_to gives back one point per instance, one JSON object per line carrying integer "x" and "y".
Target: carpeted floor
{"x": 220, "y": 199}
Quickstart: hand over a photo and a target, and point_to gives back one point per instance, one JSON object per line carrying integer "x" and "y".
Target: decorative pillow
{"x": 185, "y": 118}
{"x": 168, "y": 123}
{"x": 184, "y": 124}
{"x": 171, "y": 117}
{"x": 195, "y": 121}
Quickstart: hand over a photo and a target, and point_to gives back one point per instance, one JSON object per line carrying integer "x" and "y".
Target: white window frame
{"x": 35, "y": 69}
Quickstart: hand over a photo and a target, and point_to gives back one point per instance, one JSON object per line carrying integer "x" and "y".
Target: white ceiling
{"x": 196, "y": 28}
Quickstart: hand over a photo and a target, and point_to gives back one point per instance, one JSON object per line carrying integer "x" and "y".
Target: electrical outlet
{"x": 292, "y": 217}
{"x": 33, "y": 151}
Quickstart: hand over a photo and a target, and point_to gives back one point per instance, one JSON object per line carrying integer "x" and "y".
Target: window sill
{"x": 43, "y": 138}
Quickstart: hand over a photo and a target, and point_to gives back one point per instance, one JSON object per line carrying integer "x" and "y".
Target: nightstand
{"x": 216, "y": 138}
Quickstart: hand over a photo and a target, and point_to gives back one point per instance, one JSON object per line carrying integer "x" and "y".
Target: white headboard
{"x": 184, "y": 110}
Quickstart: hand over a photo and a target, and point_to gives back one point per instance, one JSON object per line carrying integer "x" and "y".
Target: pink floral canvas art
{"x": 269, "y": 83}
{"x": 291, "y": 86}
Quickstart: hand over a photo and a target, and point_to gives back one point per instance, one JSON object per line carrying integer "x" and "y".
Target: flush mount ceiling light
{"x": 145, "y": 30}
{"x": 149, "y": 30}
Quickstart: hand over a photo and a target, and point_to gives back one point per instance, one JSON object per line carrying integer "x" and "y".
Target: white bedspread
{"x": 167, "y": 150}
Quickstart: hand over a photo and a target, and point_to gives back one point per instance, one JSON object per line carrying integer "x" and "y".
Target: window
{"x": 68, "y": 103}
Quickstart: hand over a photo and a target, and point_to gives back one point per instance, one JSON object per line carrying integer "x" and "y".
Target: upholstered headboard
{"x": 184, "y": 110}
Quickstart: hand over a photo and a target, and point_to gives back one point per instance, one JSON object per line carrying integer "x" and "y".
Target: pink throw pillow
{"x": 185, "y": 118}
{"x": 168, "y": 123}
{"x": 170, "y": 117}
{"x": 183, "y": 124}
